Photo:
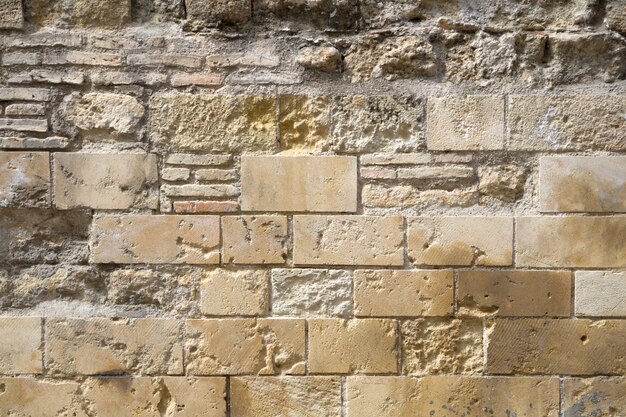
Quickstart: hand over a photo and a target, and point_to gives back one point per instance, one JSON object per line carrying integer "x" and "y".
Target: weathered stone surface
{"x": 295, "y": 14}
{"x": 200, "y": 190}
{"x": 339, "y": 346}
{"x": 310, "y": 396}
{"x": 600, "y": 293}
{"x": 438, "y": 396}
{"x": 514, "y": 293}
{"x": 229, "y": 12}
{"x": 11, "y": 14}
{"x": 24, "y": 179}
{"x": 102, "y": 115}
{"x": 469, "y": 123}
{"x": 535, "y": 346}
{"x": 304, "y": 123}
{"x": 311, "y": 292}
{"x": 25, "y": 94}
{"x": 322, "y": 58}
{"x": 245, "y": 346}
{"x": 442, "y": 346}
{"x": 299, "y": 183}
{"x": 206, "y": 122}
{"x": 504, "y": 182}
{"x": 566, "y": 122}
{"x": 38, "y": 397}
{"x": 616, "y": 17}
{"x": 460, "y": 240}
{"x": 87, "y": 13}
{"x": 403, "y": 293}
{"x": 583, "y": 184}
{"x": 235, "y": 293}
{"x": 571, "y": 241}
{"x": 24, "y": 125}
{"x": 20, "y": 346}
{"x": 133, "y": 239}
{"x": 382, "y": 195}
{"x": 44, "y": 236}
{"x": 377, "y": 124}
{"x": 594, "y": 397}
{"x": 254, "y": 239}
{"x": 107, "y": 346}
{"x": 105, "y": 181}
{"x": 348, "y": 240}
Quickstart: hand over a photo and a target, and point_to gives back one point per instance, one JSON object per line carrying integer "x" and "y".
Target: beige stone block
{"x": 146, "y": 346}
{"x": 465, "y": 123}
{"x": 348, "y": 240}
{"x": 24, "y": 179}
{"x": 600, "y": 293}
{"x": 566, "y": 122}
{"x": 225, "y": 292}
{"x": 572, "y": 241}
{"x": 299, "y": 183}
{"x": 208, "y": 122}
{"x": 439, "y": 396}
{"x": 442, "y": 346}
{"x": 556, "y": 346}
{"x": 304, "y": 123}
{"x": 460, "y": 240}
{"x": 254, "y": 239}
{"x": 29, "y": 397}
{"x": 245, "y": 346}
{"x": 155, "y": 397}
{"x": 594, "y": 397}
{"x": 20, "y": 345}
{"x": 177, "y": 239}
{"x": 338, "y": 346}
{"x": 310, "y": 396}
{"x": 105, "y": 181}
{"x": 403, "y": 293}
{"x": 583, "y": 184}
{"x": 514, "y": 293}
{"x": 394, "y": 196}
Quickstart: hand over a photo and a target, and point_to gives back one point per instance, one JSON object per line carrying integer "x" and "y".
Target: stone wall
{"x": 313, "y": 208}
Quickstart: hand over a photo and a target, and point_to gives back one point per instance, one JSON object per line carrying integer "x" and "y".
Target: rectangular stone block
{"x": 225, "y": 292}
{"x": 460, "y": 240}
{"x": 38, "y": 397}
{"x": 25, "y": 109}
{"x": 11, "y": 14}
{"x": 24, "y": 179}
{"x": 514, "y": 293}
{"x": 536, "y": 347}
{"x": 24, "y": 125}
{"x": 311, "y": 292}
{"x": 146, "y": 346}
{"x": 600, "y": 293}
{"x": 299, "y": 183}
{"x": 213, "y": 123}
{"x": 25, "y": 94}
{"x": 338, "y": 346}
{"x": 310, "y": 396}
{"x": 178, "y": 239}
{"x": 83, "y": 58}
{"x": 465, "y": 123}
{"x": 254, "y": 239}
{"x": 591, "y": 397}
{"x": 403, "y": 293}
{"x": 184, "y": 61}
{"x": 245, "y": 346}
{"x": 200, "y": 190}
{"x": 194, "y": 159}
{"x": 583, "y": 184}
{"x": 348, "y": 240}
{"x": 184, "y": 207}
{"x": 20, "y": 346}
{"x": 572, "y": 241}
{"x": 105, "y": 181}
{"x": 566, "y": 122}
{"x": 439, "y": 396}
{"x": 52, "y": 142}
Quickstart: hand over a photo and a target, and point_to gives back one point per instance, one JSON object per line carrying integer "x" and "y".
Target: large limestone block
{"x": 460, "y": 240}
{"x": 536, "y": 347}
{"x": 213, "y": 123}
{"x": 572, "y": 241}
{"x": 600, "y": 293}
{"x": 254, "y": 239}
{"x": 339, "y": 346}
{"x": 178, "y": 239}
{"x": 514, "y": 293}
{"x": 583, "y": 184}
{"x": 461, "y": 123}
{"x": 147, "y": 346}
{"x": 20, "y": 346}
{"x": 245, "y": 346}
{"x": 594, "y": 397}
{"x": 403, "y": 293}
{"x": 105, "y": 181}
{"x": 225, "y": 292}
{"x": 24, "y": 179}
{"x": 299, "y": 183}
{"x": 310, "y": 396}
{"x": 348, "y": 240}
